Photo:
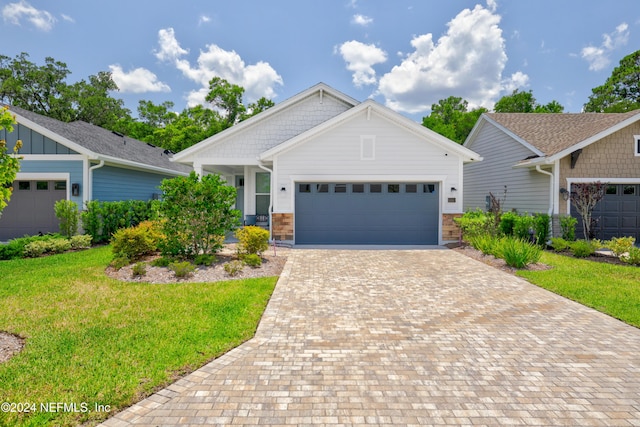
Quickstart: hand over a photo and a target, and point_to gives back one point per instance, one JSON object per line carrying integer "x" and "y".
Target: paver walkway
{"x": 418, "y": 337}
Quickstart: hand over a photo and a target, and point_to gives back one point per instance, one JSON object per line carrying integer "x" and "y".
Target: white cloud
{"x": 138, "y": 80}
{"x": 16, "y": 12}
{"x": 360, "y": 59}
{"x": 361, "y": 20}
{"x": 517, "y": 80}
{"x": 203, "y": 19}
{"x": 258, "y": 79}
{"x": 467, "y": 61}
{"x": 598, "y": 56}
{"x": 68, "y": 18}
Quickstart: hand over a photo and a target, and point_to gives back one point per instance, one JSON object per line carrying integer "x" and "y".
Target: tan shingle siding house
{"x": 537, "y": 155}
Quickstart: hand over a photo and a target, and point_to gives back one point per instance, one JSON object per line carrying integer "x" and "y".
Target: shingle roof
{"x": 553, "y": 133}
{"x": 104, "y": 142}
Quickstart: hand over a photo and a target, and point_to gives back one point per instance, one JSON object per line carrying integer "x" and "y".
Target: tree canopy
{"x": 525, "y": 102}
{"x": 9, "y": 162}
{"x": 621, "y": 91}
{"x": 451, "y": 118}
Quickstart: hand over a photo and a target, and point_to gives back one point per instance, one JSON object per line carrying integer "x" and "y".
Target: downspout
{"x": 551, "y": 195}
{"x": 91, "y": 169}
{"x": 261, "y": 166}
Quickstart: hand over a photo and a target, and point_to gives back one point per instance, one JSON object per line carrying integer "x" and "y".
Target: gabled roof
{"x": 100, "y": 144}
{"x": 367, "y": 107}
{"x": 553, "y": 136}
{"x": 264, "y": 116}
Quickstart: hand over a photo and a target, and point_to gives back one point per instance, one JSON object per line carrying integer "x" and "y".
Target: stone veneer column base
{"x": 282, "y": 228}
{"x": 450, "y": 230}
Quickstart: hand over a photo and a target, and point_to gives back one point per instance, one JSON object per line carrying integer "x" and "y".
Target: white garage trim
{"x": 36, "y": 176}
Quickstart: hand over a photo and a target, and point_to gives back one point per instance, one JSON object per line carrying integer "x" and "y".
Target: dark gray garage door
{"x": 617, "y": 214}
{"x": 30, "y": 210}
{"x": 367, "y": 213}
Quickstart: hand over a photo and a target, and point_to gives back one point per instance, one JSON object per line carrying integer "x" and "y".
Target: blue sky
{"x": 406, "y": 54}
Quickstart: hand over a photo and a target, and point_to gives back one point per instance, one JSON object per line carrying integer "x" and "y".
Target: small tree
{"x": 67, "y": 213}
{"x": 9, "y": 162}
{"x": 585, "y": 197}
{"x": 198, "y": 214}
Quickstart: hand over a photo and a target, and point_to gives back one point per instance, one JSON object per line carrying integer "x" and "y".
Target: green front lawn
{"x": 611, "y": 289}
{"x": 91, "y": 340}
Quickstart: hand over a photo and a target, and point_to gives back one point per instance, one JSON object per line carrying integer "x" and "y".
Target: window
{"x": 393, "y": 188}
{"x": 322, "y": 188}
{"x": 60, "y": 185}
{"x": 636, "y": 148}
{"x": 358, "y": 188}
{"x": 263, "y": 193}
{"x": 629, "y": 190}
{"x": 611, "y": 189}
{"x": 411, "y": 188}
{"x": 304, "y": 188}
{"x": 375, "y": 188}
{"x": 24, "y": 185}
{"x": 340, "y": 188}
{"x": 42, "y": 185}
{"x": 429, "y": 188}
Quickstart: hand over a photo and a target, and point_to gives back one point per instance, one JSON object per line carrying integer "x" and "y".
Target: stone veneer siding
{"x": 450, "y": 230}
{"x": 611, "y": 157}
{"x": 282, "y": 226}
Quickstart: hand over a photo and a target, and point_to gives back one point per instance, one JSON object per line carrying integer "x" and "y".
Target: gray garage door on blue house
{"x": 367, "y": 213}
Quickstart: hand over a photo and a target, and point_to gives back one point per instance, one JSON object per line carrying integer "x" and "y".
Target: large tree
{"x": 451, "y": 118}
{"x": 621, "y": 91}
{"x": 525, "y": 102}
{"x": 9, "y": 162}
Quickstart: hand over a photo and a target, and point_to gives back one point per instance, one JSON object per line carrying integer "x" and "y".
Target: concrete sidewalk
{"x": 411, "y": 337}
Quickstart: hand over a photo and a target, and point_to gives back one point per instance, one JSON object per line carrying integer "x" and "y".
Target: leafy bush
{"x": 134, "y": 242}
{"x": 541, "y": 227}
{"x": 559, "y": 244}
{"x": 57, "y": 246}
{"x": 182, "y": 269}
{"x": 102, "y": 219}
{"x": 507, "y": 222}
{"x": 198, "y": 213}
{"x": 476, "y": 223}
{"x": 39, "y": 247}
{"x": 35, "y": 249}
{"x": 252, "y": 260}
{"x": 120, "y": 261}
{"x": 233, "y": 267}
{"x": 80, "y": 241}
{"x": 67, "y": 213}
{"x": 582, "y": 248}
{"x": 632, "y": 256}
{"x": 524, "y": 227}
{"x": 252, "y": 240}
{"x": 518, "y": 253}
{"x": 161, "y": 262}
{"x": 204, "y": 259}
{"x": 139, "y": 269}
{"x": 568, "y": 226}
{"x": 620, "y": 245}
{"x": 484, "y": 243}
{"x": 15, "y": 248}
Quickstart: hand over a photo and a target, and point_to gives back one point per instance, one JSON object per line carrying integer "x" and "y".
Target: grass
{"x": 608, "y": 288}
{"x": 96, "y": 341}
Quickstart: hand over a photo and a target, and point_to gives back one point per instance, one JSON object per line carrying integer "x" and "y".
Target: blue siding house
{"x": 80, "y": 162}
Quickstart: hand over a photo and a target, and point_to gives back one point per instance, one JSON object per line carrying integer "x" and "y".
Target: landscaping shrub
{"x": 518, "y": 253}
{"x": 182, "y": 269}
{"x": 67, "y": 213}
{"x": 568, "y": 226}
{"x": 161, "y": 262}
{"x": 80, "y": 241}
{"x": 39, "y": 247}
{"x": 135, "y": 242}
{"x": 559, "y": 244}
{"x": 233, "y": 267}
{"x": 35, "y": 249}
{"x": 582, "y": 249}
{"x": 507, "y": 222}
{"x": 252, "y": 260}
{"x": 139, "y": 269}
{"x": 620, "y": 245}
{"x": 476, "y": 223}
{"x": 485, "y": 243}
{"x": 524, "y": 227}
{"x": 252, "y": 240}
{"x": 102, "y": 219}
{"x": 541, "y": 227}
{"x": 198, "y": 213}
{"x": 57, "y": 246}
{"x": 204, "y": 259}
{"x": 632, "y": 256}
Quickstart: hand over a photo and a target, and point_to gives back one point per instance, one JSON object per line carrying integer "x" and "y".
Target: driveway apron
{"x": 411, "y": 337}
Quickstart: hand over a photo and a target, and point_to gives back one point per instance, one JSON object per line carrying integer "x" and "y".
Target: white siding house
{"x": 323, "y": 168}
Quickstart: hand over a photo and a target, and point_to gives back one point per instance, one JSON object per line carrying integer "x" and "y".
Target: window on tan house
{"x": 636, "y": 148}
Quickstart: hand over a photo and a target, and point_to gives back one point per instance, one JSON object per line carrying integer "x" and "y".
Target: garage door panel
{"x": 366, "y": 217}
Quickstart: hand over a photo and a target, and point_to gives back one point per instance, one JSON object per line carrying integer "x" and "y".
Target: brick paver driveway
{"x": 424, "y": 337}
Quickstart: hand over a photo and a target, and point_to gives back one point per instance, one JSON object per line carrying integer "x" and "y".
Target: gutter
{"x": 91, "y": 169}
{"x": 271, "y": 187}
{"x": 551, "y": 195}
